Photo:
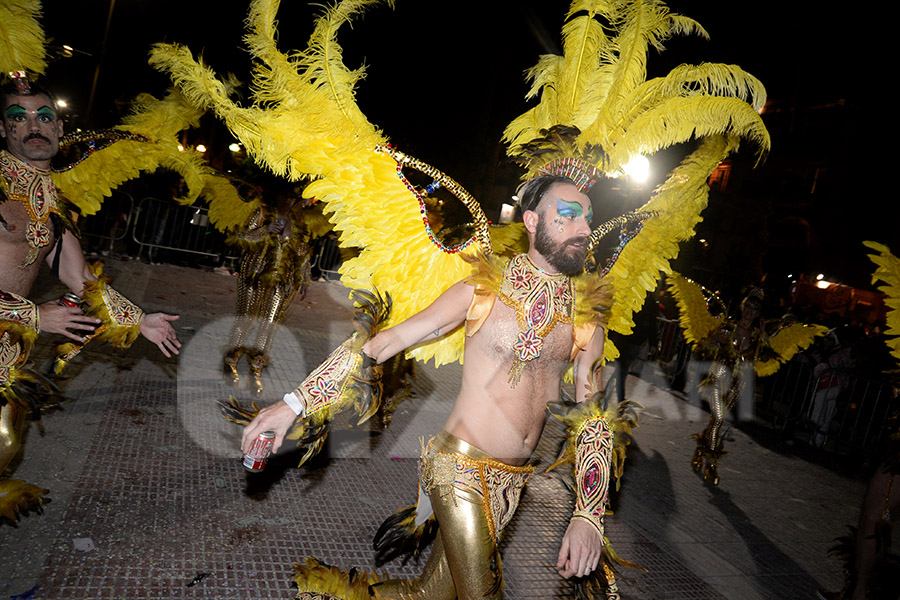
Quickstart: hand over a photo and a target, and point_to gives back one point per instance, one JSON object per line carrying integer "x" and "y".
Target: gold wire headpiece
{"x": 582, "y": 173}
{"x": 20, "y": 80}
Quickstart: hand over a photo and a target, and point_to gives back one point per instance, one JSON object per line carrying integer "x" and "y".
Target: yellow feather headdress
{"x": 597, "y": 110}
{"x": 21, "y": 39}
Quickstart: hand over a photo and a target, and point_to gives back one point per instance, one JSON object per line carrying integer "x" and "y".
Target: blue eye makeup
{"x": 47, "y": 113}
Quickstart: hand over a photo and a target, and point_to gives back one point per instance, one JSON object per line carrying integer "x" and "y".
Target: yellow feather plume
{"x": 696, "y": 322}
{"x": 599, "y": 87}
{"x": 888, "y": 271}
{"x": 21, "y": 37}
{"x": 157, "y": 122}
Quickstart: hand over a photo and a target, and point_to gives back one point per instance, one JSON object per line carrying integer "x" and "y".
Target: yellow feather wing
{"x": 888, "y": 271}
{"x": 678, "y": 202}
{"x": 155, "y": 123}
{"x": 696, "y": 322}
{"x": 786, "y": 343}
{"x": 305, "y": 123}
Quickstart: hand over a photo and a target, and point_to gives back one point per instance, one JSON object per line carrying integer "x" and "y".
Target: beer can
{"x": 69, "y": 300}
{"x": 255, "y": 459}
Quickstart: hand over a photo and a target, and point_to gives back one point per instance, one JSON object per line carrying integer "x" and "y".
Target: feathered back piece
{"x": 304, "y": 122}
{"x": 21, "y": 38}
{"x": 597, "y": 106}
{"x": 888, "y": 272}
{"x": 305, "y": 106}
{"x": 146, "y": 140}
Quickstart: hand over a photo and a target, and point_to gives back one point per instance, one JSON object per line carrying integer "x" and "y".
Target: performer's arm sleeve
{"x": 324, "y": 390}
{"x": 593, "y": 455}
{"x": 19, "y": 309}
{"x": 120, "y": 317}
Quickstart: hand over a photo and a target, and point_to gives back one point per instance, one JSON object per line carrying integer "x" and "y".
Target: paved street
{"x": 149, "y": 500}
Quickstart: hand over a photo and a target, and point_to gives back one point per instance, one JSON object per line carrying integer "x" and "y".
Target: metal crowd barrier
{"x": 102, "y": 231}
{"x": 163, "y": 226}
{"x": 326, "y": 259}
{"x": 860, "y": 407}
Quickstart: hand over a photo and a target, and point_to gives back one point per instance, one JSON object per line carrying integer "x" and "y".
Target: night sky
{"x": 445, "y": 78}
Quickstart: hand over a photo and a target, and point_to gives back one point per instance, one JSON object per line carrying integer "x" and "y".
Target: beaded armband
{"x": 20, "y": 310}
{"x": 593, "y": 454}
{"x": 120, "y": 318}
{"x": 122, "y": 311}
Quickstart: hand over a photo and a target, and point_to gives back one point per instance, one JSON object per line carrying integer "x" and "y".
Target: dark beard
{"x": 567, "y": 263}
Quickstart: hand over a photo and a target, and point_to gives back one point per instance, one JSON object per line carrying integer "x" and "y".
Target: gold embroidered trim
{"x": 21, "y": 310}
{"x": 34, "y": 188}
{"x": 122, "y": 311}
{"x": 325, "y": 385}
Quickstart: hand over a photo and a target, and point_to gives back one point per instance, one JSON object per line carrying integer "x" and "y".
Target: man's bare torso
{"x": 14, "y": 248}
{"x": 503, "y": 421}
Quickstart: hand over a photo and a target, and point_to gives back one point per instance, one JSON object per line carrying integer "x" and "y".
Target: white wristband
{"x": 291, "y": 400}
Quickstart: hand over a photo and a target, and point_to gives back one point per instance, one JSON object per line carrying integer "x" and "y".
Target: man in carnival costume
{"x": 597, "y": 111}
{"x": 32, "y": 229}
{"x": 474, "y": 470}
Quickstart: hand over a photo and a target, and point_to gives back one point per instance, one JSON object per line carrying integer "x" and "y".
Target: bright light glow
{"x": 180, "y": 148}
{"x": 822, "y": 284}
{"x": 61, "y": 103}
{"x": 200, "y": 148}
{"x": 820, "y": 277}
{"x": 638, "y": 169}
{"x": 234, "y": 147}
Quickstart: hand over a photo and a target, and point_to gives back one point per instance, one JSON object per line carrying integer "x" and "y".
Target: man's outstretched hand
{"x": 581, "y": 550}
{"x": 157, "y": 328}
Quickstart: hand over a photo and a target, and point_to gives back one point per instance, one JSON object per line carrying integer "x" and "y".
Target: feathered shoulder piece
{"x": 593, "y": 298}
{"x": 888, "y": 272}
{"x": 693, "y": 313}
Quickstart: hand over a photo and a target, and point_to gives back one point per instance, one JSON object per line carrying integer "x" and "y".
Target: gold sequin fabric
{"x": 34, "y": 188}
{"x": 450, "y": 462}
{"x": 21, "y": 310}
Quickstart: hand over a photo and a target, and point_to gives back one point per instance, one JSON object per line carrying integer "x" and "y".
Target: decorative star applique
{"x": 528, "y": 345}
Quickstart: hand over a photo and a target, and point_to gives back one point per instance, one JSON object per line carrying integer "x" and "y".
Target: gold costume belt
{"x": 449, "y": 461}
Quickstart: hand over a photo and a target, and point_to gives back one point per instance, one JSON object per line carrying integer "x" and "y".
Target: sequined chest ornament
{"x": 34, "y": 188}
{"x": 541, "y": 300}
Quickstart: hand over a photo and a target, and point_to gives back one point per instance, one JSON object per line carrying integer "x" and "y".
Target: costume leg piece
{"x": 474, "y": 497}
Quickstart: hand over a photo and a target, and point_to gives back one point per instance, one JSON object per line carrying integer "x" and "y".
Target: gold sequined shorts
{"x": 448, "y": 462}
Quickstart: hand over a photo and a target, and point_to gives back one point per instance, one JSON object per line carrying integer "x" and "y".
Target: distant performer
{"x": 274, "y": 270}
